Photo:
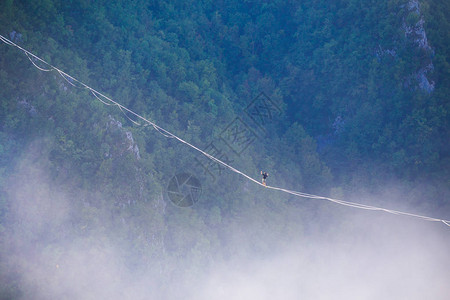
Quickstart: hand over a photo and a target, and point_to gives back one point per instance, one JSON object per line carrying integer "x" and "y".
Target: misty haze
{"x": 174, "y": 149}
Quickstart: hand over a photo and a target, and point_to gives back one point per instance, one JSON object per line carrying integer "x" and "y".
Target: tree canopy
{"x": 331, "y": 98}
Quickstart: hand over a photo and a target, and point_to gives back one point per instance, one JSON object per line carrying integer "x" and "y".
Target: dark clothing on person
{"x": 264, "y": 176}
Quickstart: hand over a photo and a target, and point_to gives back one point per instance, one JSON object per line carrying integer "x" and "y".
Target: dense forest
{"x": 337, "y": 98}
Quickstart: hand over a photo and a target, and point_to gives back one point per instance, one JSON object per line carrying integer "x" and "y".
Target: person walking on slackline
{"x": 264, "y": 176}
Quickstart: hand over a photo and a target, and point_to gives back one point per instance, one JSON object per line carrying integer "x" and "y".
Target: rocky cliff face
{"x": 413, "y": 26}
{"x": 124, "y": 138}
{"x": 415, "y": 35}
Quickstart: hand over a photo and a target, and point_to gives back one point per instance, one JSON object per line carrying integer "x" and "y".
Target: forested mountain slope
{"x": 350, "y": 97}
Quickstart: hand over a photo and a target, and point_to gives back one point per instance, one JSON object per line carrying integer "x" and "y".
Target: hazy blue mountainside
{"x": 337, "y": 98}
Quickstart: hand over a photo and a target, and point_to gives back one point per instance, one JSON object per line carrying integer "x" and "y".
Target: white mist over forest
{"x": 342, "y": 99}
{"x": 355, "y": 255}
